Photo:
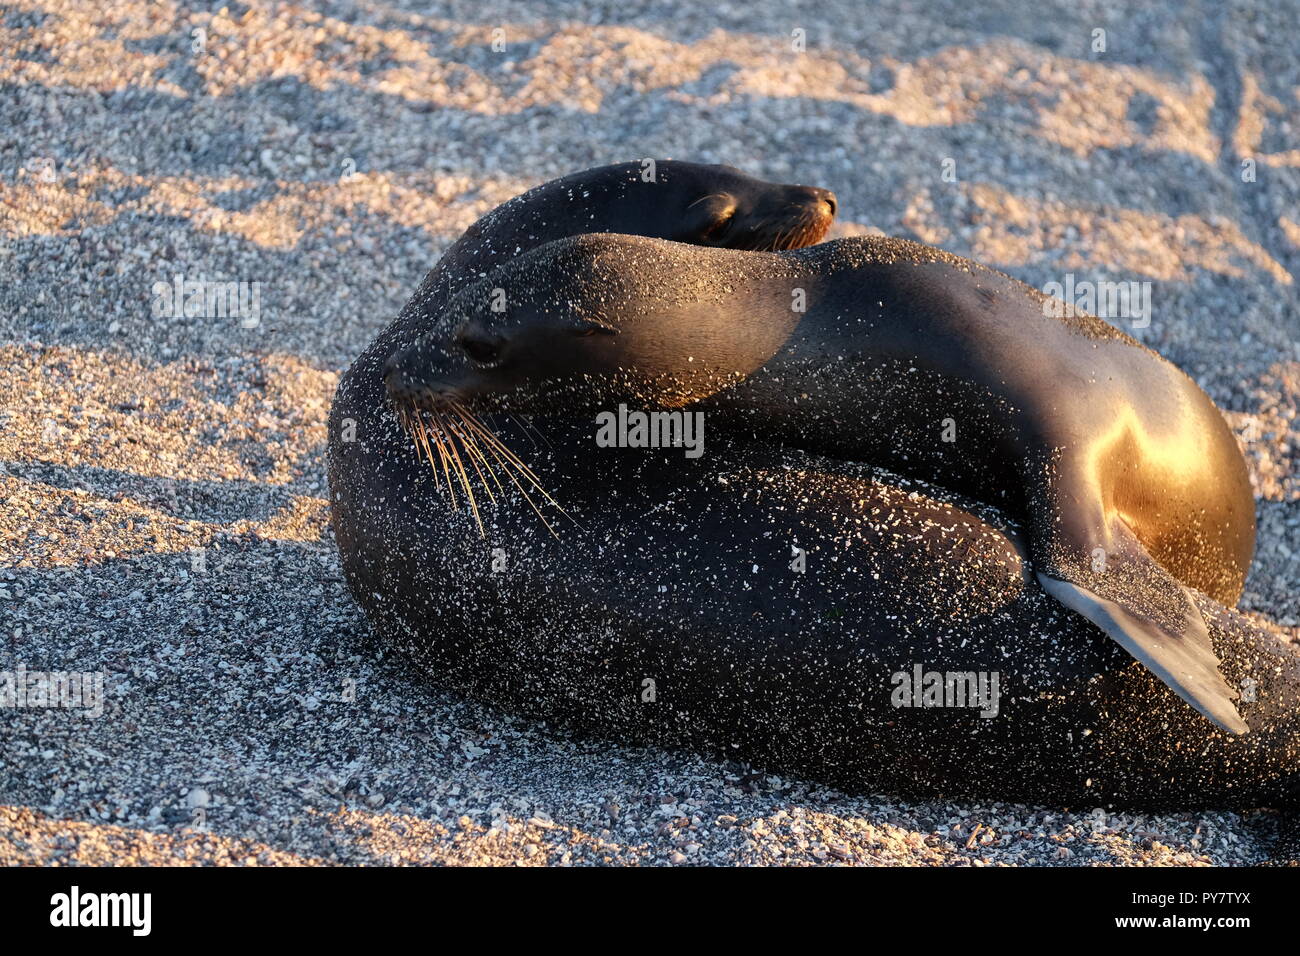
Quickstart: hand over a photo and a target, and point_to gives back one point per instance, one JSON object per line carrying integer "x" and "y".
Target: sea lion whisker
{"x": 471, "y": 447}
{"x": 459, "y": 436}
{"x": 492, "y": 439}
{"x": 442, "y": 457}
{"x": 472, "y": 421}
{"x": 420, "y": 438}
{"x": 524, "y": 492}
{"x": 458, "y": 466}
{"x": 776, "y": 244}
{"x": 434, "y": 429}
{"x": 527, "y": 472}
{"x": 702, "y": 198}
{"x": 531, "y": 431}
{"x": 523, "y": 428}
{"x": 434, "y": 445}
{"x": 506, "y": 456}
{"x": 431, "y": 429}
{"x": 418, "y": 433}
{"x": 540, "y": 434}
{"x": 462, "y": 475}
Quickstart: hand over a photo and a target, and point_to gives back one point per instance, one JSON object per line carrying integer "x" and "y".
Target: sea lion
{"x": 773, "y": 608}
{"x": 1129, "y": 481}
{"x": 692, "y": 203}
{"x": 685, "y": 202}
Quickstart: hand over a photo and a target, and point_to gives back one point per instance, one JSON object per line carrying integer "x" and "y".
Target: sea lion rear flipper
{"x": 1153, "y": 617}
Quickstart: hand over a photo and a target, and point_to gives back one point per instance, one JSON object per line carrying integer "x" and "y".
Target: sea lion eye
{"x": 708, "y": 218}
{"x": 481, "y": 350}
{"x": 721, "y": 223}
{"x": 593, "y": 328}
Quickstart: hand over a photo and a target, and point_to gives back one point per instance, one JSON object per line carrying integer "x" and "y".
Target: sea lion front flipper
{"x": 1140, "y": 605}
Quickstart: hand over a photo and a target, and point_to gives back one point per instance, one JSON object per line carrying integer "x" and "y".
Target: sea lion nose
{"x": 394, "y": 376}
{"x": 822, "y": 199}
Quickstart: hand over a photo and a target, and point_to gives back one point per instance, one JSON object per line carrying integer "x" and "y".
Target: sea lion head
{"x": 590, "y": 321}
{"x": 692, "y": 203}
{"x": 723, "y": 207}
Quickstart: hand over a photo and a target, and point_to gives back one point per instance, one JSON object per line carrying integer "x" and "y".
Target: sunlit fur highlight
{"x": 808, "y": 230}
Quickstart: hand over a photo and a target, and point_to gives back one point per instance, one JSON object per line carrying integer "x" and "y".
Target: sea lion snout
{"x": 407, "y": 376}
{"x": 820, "y": 197}
{"x": 396, "y": 382}
{"x": 788, "y": 218}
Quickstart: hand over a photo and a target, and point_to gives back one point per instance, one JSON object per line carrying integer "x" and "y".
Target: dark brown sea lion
{"x": 1128, "y": 479}
{"x": 371, "y": 470}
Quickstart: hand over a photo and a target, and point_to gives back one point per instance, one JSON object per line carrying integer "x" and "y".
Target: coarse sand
{"x": 164, "y": 518}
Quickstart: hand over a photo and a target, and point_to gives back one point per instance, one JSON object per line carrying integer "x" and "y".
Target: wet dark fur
{"x": 678, "y": 573}
{"x": 1130, "y": 482}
